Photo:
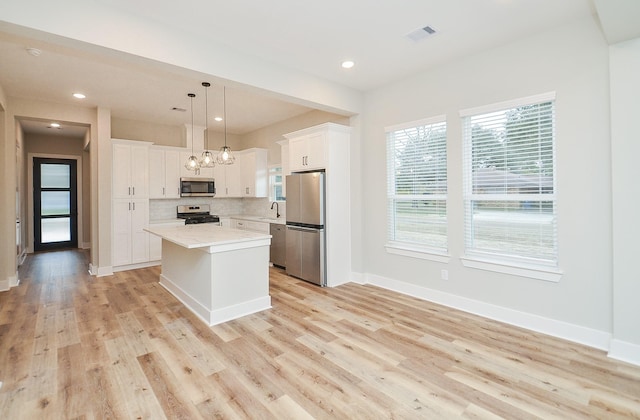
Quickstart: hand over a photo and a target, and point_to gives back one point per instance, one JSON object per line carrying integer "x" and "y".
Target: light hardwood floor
{"x": 76, "y": 346}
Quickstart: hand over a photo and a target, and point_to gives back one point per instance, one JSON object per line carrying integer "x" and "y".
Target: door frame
{"x": 30, "y": 204}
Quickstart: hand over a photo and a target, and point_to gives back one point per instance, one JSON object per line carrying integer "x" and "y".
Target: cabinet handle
{"x": 134, "y": 190}
{"x": 134, "y": 206}
{"x": 129, "y": 190}
{"x": 163, "y": 191}
{"x": 129, "y": 206}
{"x": 246, "y": 190}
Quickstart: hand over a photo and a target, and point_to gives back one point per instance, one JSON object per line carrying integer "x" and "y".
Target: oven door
{"x": 197, "y": 187}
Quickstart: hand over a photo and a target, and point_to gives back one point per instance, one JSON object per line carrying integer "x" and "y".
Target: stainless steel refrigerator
{"x": 305, "y": 254}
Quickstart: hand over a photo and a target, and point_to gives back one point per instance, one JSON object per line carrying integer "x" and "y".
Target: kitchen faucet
{"x": 277, "y": 208}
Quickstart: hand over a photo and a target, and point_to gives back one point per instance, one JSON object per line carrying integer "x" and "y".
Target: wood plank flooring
{"x": 74, "y": 346}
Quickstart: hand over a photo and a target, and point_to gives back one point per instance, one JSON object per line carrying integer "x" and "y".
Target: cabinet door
{"x": 316, "y": 151}
{"x": 139, "y": 238}
{"x": 171, "y": 174}
{"x": 155, "y": 248}
{"x": 156, "y": 174}
{"x": 121, "y": 238}
{"x": 219, "y": 174}
{"x": 140, "y": 171}
{"x": 234, "y": 182}
{"x": 247, "y": 164}
{"x": 297, "y": 153}
{"x": 121, "y": 171}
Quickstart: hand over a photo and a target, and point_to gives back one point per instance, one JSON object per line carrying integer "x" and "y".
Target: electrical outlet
{"x": 444, "y": 274}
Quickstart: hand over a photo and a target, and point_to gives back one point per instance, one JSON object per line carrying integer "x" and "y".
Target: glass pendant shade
{"x": 225, "y": 157}
{"x": 192, "y": 163}
{"x": 207, "y": 160}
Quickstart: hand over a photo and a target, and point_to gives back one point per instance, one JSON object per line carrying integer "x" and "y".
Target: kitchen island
{"x": 218, "y": 273}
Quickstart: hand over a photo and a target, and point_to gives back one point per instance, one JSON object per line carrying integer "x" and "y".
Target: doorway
{"x": 55, "y": 203}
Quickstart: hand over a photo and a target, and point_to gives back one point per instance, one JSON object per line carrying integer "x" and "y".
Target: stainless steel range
{"x": 197, "y": 214}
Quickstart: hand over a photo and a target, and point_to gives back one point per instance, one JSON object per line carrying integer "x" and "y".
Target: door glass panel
{"x": 54, "y": 175}
{"x": 55, "y": 202}
{"x": 56, "y": 230}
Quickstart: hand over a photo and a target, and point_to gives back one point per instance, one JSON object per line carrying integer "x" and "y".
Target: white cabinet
{"x": 307, "y": 151}
{"x": 242, "y": 224}
{"x": 227, "y": 180}
{"x": 130, "y": 243}
{"x": 327, "y": 146}
{"x": 184, "y": 172}
{"x": 225, "y": 222}
{"x": 254, "y": 173}
{"x": 164, "y": 173}
{"x": 130, "y": 169}
{"x": 247, "y": 177}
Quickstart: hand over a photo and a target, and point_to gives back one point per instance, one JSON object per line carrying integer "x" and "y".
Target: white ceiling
{"x": 311, "y": 37}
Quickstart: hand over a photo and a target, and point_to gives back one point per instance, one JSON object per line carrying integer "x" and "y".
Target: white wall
{"x": 625, "y": 140}
{"x": 573, "y": 62}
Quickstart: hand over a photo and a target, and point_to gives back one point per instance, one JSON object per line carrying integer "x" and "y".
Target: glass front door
{"x": 55, "y": 204}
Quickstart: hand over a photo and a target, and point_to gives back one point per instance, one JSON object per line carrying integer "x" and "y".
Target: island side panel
{"x": 186, "y": 273}
{"x": 240, "y": 283}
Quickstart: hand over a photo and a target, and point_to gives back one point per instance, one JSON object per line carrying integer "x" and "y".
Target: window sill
{"x": 538, "y": 273}
{"x": 417, "y": 252}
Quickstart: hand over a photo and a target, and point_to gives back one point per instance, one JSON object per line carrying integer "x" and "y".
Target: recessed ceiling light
{"x": 54, "y": 125}
{"x": 218, "y": 119}
{"x": 348, "y": 64}
{"x": 79, "y": 95}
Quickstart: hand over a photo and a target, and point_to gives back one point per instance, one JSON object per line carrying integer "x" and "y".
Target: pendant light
{"x": 207, "y": 160}
{"x": 224, "y": 156}
{"x": 192, "y": 163}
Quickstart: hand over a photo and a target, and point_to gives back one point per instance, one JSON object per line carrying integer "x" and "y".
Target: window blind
{"x": 509, "y": 183}
{"x": 417, "y": 184}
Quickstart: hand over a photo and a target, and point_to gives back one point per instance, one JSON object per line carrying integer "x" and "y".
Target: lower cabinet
{"x": 130, "y": 243}
{"x": 243, "y": 224}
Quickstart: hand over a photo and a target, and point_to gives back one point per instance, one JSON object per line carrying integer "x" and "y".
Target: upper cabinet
{"x": 254, "y": 174}
{"x": 130, "y": 169}
{"x": 307, "y": 151}
{"x": 164, "y": 172}
{"x": 246, "y": 177}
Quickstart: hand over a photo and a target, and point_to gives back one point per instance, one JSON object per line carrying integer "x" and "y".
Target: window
{"x": 509, "y": 182}
{"x": 275, "y": 184}
{"x": 417, "y": 186}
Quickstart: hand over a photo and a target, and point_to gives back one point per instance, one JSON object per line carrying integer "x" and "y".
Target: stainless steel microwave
{"x": 197, "y": 187}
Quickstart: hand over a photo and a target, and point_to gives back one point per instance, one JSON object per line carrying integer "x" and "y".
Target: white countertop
{"x": 208, "y": 235}
{"x": 279, "y": 220}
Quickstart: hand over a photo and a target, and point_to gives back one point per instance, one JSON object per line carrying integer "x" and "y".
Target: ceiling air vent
{"x": 421, "y": 33}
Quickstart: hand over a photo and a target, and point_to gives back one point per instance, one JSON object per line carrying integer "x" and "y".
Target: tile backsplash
{"x": 166, "y": 209}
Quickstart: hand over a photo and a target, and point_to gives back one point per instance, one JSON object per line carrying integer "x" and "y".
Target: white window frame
{"x": 405, "y": 247}
{"x": 504, "y": 262}
{"x": 275, "y": 170}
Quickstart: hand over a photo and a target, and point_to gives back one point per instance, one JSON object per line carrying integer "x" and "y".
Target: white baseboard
{"x": 100, "y": 271}
{"x": 135, "y": 266}
{"x": 85, "y": 245}
{"x": 624, "y": 351}
{"x": 576, "y": 333}
{"x": 217, "y": 316}
{"x": 8, "y": 283}
{"x": 357, "y": 278}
